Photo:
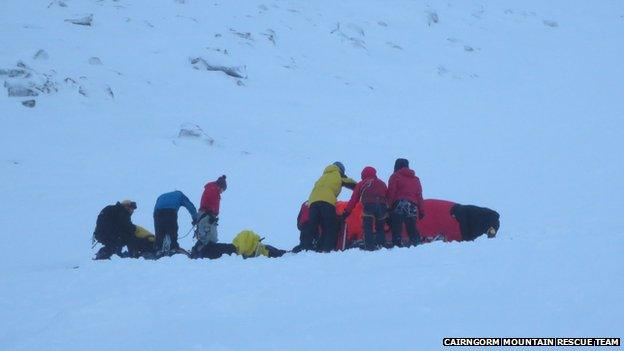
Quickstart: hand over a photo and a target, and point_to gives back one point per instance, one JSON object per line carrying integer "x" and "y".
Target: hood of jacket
{"x": 369, "y": 172}
{"x": 331, "y": 168}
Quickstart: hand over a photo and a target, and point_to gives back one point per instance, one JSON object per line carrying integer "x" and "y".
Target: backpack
{"x": 104, "y": 225}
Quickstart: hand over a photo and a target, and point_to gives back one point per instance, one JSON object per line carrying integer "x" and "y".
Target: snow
{"x": 513, "y": 105}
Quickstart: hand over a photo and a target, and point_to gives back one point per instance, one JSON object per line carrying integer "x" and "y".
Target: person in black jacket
{"x": 475, "y": 221}
{"x": 114, "y": 228}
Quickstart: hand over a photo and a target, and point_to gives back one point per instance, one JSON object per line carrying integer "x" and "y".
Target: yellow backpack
{"x": 248, "y": 244}
{"x": 143, "y": 233}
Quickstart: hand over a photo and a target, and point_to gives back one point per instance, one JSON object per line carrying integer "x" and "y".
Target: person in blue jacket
{"x": 166, "y": 220}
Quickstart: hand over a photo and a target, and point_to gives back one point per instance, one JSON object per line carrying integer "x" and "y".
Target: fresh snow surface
{"x": 514, "y": 105}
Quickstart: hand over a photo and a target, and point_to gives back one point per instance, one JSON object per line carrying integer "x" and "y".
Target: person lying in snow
{"x": 246, "y": 243}
{"x": 322, "y": 202}
{"x": 249, "y": 244}
{"x": 444, "y": 220}
{"x": 114, "y": 228}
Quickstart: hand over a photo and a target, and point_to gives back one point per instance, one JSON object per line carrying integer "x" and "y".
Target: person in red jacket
{"x": 371, "y": 192}
{"x": 208, "y": 218}
{"x": 455, "y": 222}
{"x": 405, "y": 202}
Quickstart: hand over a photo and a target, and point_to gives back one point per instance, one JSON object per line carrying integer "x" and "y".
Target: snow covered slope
{"x": 514, "y": 105}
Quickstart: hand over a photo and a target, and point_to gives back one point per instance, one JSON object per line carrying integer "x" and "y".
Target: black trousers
{"x": 211, "y": 250}
{"x": 108, "y": 250}
{"x": 323, "y": 216}
{"x": 112, "y": 244}
{"x": 374, "y": 214}
{"x": 275, "y": 252}
{"x": 139, "y": 246}
{"x": 397, "y": 220}
{"x": 166, "y": 223}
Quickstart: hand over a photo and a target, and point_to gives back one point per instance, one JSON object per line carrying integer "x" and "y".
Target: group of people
{"x": 399, "y": 203}
{"x": 114, "y": 228}
{"x": 398, "y": 206}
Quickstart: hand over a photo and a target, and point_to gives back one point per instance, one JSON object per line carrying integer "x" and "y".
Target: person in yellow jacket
{"x": 249, "y": 244}
{"x": 142, "y": 244}
{"x": 322, "y": 202}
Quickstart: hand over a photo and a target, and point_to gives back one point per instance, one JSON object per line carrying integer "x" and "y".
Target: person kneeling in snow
{"x": 249, "y": 244}
{"x": 303, "y": 224}
{"x": 114, "y": 228}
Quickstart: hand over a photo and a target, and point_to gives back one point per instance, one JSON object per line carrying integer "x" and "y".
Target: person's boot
{"x": 397, "y": 241}
{"x": 103, "y": 254}
{"x": 381, "y": 240}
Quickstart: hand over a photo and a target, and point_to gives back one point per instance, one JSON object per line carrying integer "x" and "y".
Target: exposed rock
{"x": 21, "y": 64}
{"x": 270, "y": 34}
{"x": 201, "y": 64}
{"x": 95, "y": 61}
{"x": 29, "y": 103}
{"x": 193, "y": 131}
{"x": 57, "y": 3}
{"x": 244, "y": 35}
{"x": 394, "y": 46}
{"x": 552, "y": 24}
{"x": 84, "y": 21}
{"x": 15, "y": 73}
{"x": 356, "y": 42}
{"x": 432, "y": 17}
{"x": 17, "y": 90}
{"x": 41, "y": 55}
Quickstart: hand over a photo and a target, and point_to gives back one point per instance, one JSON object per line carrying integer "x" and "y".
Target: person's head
{"x": 401, "y": 163}
{"x": 368, "y": 172}
{"x": 494, "y": 223}
{"x": 222, "y": 183}
{"x": 129, "y": 205}
{"x": 341, "y": 167}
